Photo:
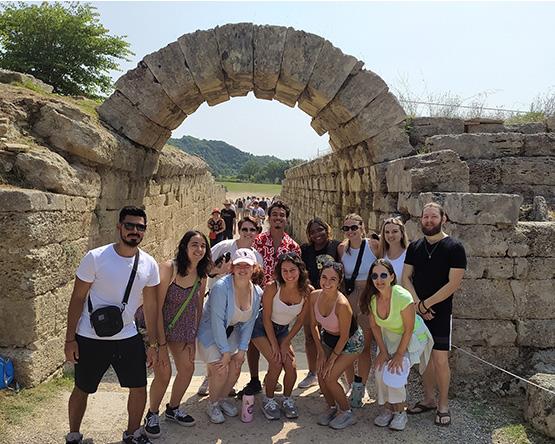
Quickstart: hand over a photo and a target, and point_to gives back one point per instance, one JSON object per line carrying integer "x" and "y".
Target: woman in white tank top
{"x": 393, "y": 244}
{"x": 283, "y": 303}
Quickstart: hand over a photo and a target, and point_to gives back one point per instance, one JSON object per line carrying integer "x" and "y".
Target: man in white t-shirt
{"x": 103, "y": 275}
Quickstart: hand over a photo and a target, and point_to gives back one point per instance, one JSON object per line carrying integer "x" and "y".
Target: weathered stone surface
{"x": 330, "y": 72}
{"x": 357, "y": 92}
{"x": 144, "y": 91}
{"x": 550, "y": 123}
{"x": 440, "y": 171}
{"x": 118, "y": 112}
{"x": 539, "y": 144}
{"x": 378, "y": 177}
{"x": 534, "y": 298}
{"x": 484, "y": 332}
{"x": 386, "y": 203}
{"x": 170, "y": 69}
{"x": 423, "y": 127}
{"x": 48, "y": 171}
{"x": 540, "y": 210}
{"x": 268, "y": 42}
{"x": 538, "y": 333}
{"x": 203, "y": 60}
{"x": 379, "y": 115}
{"x": 465, "y": 365}
{"x": 14, "y": 200}
{"x": 479, "y": 146}
{"x": 489, "y": 268}
{"x": 7, "y": 76}
{"x": 484, "y": 299}
{"x": 539, "y": 408}
{"x": 468, "y": 208}
{"x": 540, "y": 238}
{"x": 300, "y": 53}
{"x": 534, "y": 268}
{"x": 235, "y": 44}
{"x": 391, "y": 144}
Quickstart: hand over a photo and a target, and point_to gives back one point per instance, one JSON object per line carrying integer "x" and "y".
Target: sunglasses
{"x": 288, "y": 255}
{"x": 246, "y": 230}
{"x": 129, "y": 226}
{"x": 346, "y": 228}
{"x": 337, "y": 266}
{"x": 375, "y": 276}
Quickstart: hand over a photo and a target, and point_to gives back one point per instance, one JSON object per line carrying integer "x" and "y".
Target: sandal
{"x": 439, "y": 416}
{"x": 419, "y": 408}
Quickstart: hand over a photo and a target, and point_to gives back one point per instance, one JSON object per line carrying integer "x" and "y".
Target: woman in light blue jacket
{"x": 225, "y": 331}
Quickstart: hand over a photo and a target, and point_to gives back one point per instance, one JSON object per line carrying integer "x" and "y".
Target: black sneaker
{"x": 253, "y": 386}
{"x": 152, "y": 425}
{"x": 179, "y": 416}
{"x": 74, "y": 438}
{"x": 138, "y": 437}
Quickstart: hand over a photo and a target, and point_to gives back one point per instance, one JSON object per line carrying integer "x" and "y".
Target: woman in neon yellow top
{"x": 402, "y": 337}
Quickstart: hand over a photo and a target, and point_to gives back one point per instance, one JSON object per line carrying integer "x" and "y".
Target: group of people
{"x": 251, "y": 295}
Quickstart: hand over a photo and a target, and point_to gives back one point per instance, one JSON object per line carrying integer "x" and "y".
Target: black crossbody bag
{"x": 108, "y": 321}
{"x": 350, "y": 283}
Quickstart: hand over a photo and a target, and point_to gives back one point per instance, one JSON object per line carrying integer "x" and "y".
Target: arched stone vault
{"x": 294, "y": 67}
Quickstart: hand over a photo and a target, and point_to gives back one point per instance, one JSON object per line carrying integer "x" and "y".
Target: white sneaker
{"x": 384, "y": 418}
{"x": 270, "y": 408}
{"x": 228, "y": 407}
{"x": 343, "y": 420}
{"x": 214, "y": 413}
{"x": 399, "y": 421}
{"x": 310, "y": 381}
{"x": 203, "y": 389}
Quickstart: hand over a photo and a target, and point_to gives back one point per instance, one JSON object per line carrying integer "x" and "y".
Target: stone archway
{"x": 294, "y": 67}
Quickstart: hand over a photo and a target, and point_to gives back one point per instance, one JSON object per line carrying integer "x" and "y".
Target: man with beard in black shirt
{"x": 433, "y": 271}
{"x": 229, "y": 216}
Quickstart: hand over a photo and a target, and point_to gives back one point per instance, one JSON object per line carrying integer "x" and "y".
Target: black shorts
{"x": 126, "y": 356}
{"x": 440, "y": 328}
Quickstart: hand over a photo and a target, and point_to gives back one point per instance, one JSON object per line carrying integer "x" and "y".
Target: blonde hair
{"x": 384, "y": 246}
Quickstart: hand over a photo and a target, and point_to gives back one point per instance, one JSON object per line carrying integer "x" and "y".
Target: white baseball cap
{"x": 245, "y": 255}
{"x": 397, "y": 380}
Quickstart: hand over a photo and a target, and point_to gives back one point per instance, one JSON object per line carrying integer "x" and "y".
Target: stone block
{"x": 538, "y": 333}
{"x": 550, "y": 124}
{"x": 534, "y": 268}
{"x": 268, "y": 42}
{"x": 540, "y": 238}
{"x": 534, "y": 298}
{"x": 527, "y": 170}
{"x": 391, "y": 144}
{"x": 440, "y": 171}
{"x": 539, "y": 408}
{"x": 200, "y": 49}
{"x": 48, "y": 171}
{"x": 384, "y": 202}
{"x": 464, "y": 365}
{"x": 479, "y": 146}
{"x": 484, "y": 299}
{"x": 489, "y": 268}
{"x": 423, "y": 127}
{"x": 144, "y": 91}
{"x": 378, "y": 177}
{"x": 487, "y": 240}
{"x": 300, "y": 53}
{"x": 528, "y": 128}
{"x": 356, "y": 93}
{"x": 170, "y": 69}
{"x": 118, "y": 112}
{"x": 539, "y": 144}
{"x": 235, "y": 44}
{"x": 330, "y": 72}
{"x": 483, "y": 332}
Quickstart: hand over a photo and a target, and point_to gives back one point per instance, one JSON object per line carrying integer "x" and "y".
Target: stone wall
{"x": 504, "y": 309}
{"x": 63, "y": 179}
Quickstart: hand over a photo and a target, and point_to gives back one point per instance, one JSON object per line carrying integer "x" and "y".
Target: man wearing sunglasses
{"x": 106, "y": 275}
{"x": 270, "y": 244}
{"x": 433, "y": 271}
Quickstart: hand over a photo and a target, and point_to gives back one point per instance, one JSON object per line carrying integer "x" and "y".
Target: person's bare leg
{"x": 233, "y": 374}
{"x": 183, "y": 356}
{"x": 253, "y": 356}
{"x": 442, "y": 377}
{"x": 136, "y": 403}
{"x": 310, "y": 348}
{"x": 162, "y": 376}
{"x": 429, "y": 383}
{"x": 217, "y": 378}
{"x": 76, "y": 408}
{"x": 365, "y": 359}
{"x": 274, "y": 368}
{"x": 290, "y": 367}
{"x": 332, "y": 380}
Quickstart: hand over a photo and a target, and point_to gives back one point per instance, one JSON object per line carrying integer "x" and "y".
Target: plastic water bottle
{"x": 247, "y": 409}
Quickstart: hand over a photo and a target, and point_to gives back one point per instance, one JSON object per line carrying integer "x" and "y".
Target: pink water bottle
{"x": 247, "y": 409}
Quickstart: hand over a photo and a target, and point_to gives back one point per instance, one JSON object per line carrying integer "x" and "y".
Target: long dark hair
{"x": 182, "y": 259}
{"x": 370, "y": 289}
{"x": 295, "y": 259}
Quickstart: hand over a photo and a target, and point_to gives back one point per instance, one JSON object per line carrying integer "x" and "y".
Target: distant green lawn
{"x": 259, "y": 189}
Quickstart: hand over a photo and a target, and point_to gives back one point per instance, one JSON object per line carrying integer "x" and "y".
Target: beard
{"x": 131, "y": 242}
{"x": 432, "y": 231}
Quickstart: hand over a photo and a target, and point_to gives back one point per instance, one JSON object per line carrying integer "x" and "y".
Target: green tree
{"x": 62, "y": 44}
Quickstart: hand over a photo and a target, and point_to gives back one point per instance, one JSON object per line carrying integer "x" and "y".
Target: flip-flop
{"x": 440, "y": 416}
{"x": 418, "y": 408}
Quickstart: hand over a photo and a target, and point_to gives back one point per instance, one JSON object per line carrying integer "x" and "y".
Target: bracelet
{"x": 420, "y": 309}
{"x": 425, "y": 308}
{"x": 335, "y": 353}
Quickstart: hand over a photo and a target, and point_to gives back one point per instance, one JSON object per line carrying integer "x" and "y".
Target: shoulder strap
{"x": 127, "y": 289}
{"x": 359, "y": 260}
{"x": 184, "y": 305}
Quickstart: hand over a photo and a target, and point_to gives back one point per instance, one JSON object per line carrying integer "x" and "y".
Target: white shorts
{"x": 212, "y": 354}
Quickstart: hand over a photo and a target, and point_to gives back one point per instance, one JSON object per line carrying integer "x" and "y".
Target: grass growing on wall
{"x": 258, "y": 189}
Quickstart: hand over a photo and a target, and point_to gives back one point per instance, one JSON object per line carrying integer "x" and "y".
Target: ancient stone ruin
{"x": 66, "y": 171}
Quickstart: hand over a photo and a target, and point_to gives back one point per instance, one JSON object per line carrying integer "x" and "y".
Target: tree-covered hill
{"x": 227, "y": 161}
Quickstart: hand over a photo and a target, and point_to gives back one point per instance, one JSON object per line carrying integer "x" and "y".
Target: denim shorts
{"x": 259, "y": 330}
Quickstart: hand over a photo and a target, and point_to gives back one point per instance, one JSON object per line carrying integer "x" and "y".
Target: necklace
{"x": 433, "y": 249}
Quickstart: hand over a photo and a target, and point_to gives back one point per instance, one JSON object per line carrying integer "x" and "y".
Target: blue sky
{"x": 506, "y": 49}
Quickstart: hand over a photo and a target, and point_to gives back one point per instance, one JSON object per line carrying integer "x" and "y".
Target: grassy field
{"x": 258, "y": 189}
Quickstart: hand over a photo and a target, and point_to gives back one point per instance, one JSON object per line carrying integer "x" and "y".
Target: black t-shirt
{"x": 314, "y": 259}
{"x": 228, "y": 215}
{"x": 432, "y": 263}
